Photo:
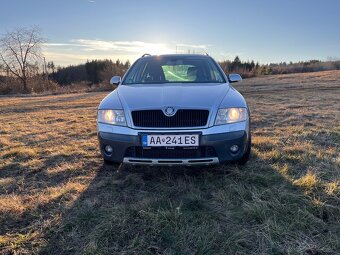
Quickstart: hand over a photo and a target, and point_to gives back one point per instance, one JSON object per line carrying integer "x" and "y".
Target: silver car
{"x": 175, "y": 109}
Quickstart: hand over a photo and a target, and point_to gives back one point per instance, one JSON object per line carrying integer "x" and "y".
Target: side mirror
{"x": 234, "y": 77}
{"x": 115, "y": 80}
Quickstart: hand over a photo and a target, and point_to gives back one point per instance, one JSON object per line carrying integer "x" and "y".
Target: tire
{"x": 246, "y": 156}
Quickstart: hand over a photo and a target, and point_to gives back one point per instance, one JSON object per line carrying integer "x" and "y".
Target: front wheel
{"x": 246, "y": 156}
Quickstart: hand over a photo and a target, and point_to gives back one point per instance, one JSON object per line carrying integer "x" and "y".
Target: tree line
{"x": 250, "y": 69}
{"x": 97, "y": 71}
{"x": 23, "y": 67}
{"x": 93, "y": 72}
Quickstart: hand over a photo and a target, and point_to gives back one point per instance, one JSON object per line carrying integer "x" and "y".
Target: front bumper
{"x": 127, "y": 139}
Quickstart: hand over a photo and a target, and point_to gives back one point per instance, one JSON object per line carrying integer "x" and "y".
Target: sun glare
{"x": 157, "y": 49}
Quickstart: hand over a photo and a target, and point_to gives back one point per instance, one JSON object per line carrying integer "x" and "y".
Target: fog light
{"x": 108, "y": 149}
{"x": 234, "y": 148}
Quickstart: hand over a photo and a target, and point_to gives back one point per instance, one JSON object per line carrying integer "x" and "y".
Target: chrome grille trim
{"x": 171, "y": 162}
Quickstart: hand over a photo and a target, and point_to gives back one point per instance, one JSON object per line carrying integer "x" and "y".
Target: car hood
{"x": 157, "y": 96}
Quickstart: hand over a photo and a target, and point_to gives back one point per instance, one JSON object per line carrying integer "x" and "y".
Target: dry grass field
{"x": 57, "y": 198}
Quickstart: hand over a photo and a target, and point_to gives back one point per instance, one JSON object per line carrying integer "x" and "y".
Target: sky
{"x": 261, "y": 30}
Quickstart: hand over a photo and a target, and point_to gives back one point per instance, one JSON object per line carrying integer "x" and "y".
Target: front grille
{"x": 175, "y": 153}
{"x": 182, "y": 118}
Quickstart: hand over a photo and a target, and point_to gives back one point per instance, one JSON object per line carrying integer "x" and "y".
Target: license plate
{"x": 170, "y": 140}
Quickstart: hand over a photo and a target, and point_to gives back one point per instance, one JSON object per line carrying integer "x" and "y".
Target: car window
{"x": 174, "y": 70}
{"x": 178, "y": 73}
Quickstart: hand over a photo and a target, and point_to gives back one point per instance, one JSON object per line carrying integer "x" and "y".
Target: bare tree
{"x": 19, "y": 50}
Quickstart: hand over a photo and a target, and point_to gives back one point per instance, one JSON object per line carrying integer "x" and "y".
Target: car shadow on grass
{"x": 226, "y": 209}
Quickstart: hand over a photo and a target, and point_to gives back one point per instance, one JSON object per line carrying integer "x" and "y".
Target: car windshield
{"x": 174, "y": 69}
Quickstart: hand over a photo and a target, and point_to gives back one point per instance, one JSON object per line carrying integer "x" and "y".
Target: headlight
{"x": 231, "y": 115}
{"x": 114, "y": 117}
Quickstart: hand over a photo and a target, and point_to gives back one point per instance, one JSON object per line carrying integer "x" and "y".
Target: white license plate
{"x": 170, "y": 140}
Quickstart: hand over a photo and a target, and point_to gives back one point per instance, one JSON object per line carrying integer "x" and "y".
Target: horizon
{"x": 263, "y": 31}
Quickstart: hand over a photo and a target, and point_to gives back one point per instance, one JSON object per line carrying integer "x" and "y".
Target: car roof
{"x": 175, "y": 56}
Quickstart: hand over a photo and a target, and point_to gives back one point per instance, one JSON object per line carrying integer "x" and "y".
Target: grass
{"x": 56, "y": 197}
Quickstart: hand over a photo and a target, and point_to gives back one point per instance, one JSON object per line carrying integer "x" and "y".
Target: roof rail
{"x": 146, "y": 54}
